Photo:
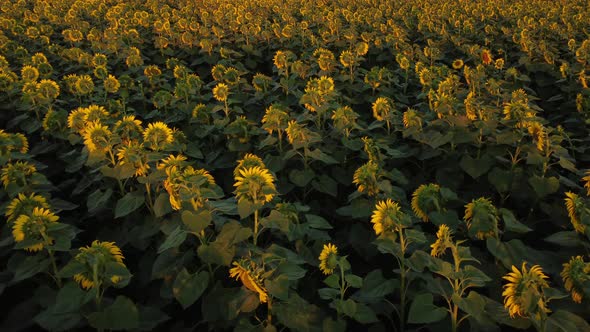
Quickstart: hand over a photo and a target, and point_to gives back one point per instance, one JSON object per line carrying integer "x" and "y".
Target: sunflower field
{"x": 295, "y": 165}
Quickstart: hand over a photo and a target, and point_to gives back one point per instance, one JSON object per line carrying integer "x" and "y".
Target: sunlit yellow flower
{"x": 537, "y": 132}
{"x": 99, "y": 60}
{"x": 111, "y": 84}
{"x": 486, "y": 57}
{"x": 172, "y": 163}
{"x": 157, "y": 136}
{"x": 47, "y": 90}
{"x": 32, "y": 228}
{"x": 361, "y": 48}
{"x": 481, "y": 217}
{"x": 443, "y": 241}
{"x": 249, "y": 160}
{"x": 29, "y": 74}
{"x": 231, "y": 76}
{"x": 97, "y": 137}
{"x": 186, "y": 185}
{"x": 402, "y": 61}
{"x": 128, "y": 128}
{"x": 96, "y": 113}
{"x": 84, "y": 85}
{"x": 524, "y": 293}
{"x": 77, "y": 119}
{"x": 499, "y": 64}
{"x": 345, "y": 119}
{"x": 426, "y": 199}
{"x": 366, "y": 178}
{"x": 255, "y": 184}
{"x": 347, "y": 59}
{"x": 133, "y": 154}
{"x": 96, "y": 259}
{"x": 17, "y": 173}
{"x": 382, "y": 107}
{"x": 221, "y": 92}
{"x": 251, "y": 278}
{"x": 388, "y": 217}
{"x": 152, "y": 72}
{"x": 458, "y": 64}
{"x": 411, "y": 119}
{"x": 24, "y": 204}
{"x": 328, "y": 259}
{"x": 575, "y": 207}
{"x": 576, "y": 275}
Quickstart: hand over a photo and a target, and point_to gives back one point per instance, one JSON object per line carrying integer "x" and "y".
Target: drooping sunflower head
{"x": 328, "y": 259}
{"x": 23, "y": 204}
{"x": 538, "y": 132}
{"x": 412, "y": 119}
{"x": 275, "y": 118}
{"x": 97, "y": 137}
{"x": 576, "y": 276}
{"x": 297, "y": 134}
{"x": 221, "y": 92}
{"x": 172, "y": 163}
{"x": 128, "y": 128}
{"x": 576, "y": 207}
{"x": 255, "y": 184}
{"x": 17, "y": 173}
{"x": 157, "y": 136}
{"x": 96, "y": 113}
{"x": 382, "y": 108}
{"x": 426, "y": 199}
{"x": 586, "y": 180}
{"x": 32, "y": 228}
{"x": 77, "y": 119}
{"x": 481, "y": 217}
{"x": 524, "y": 293}
{"x": 372, "y": 149}
{"x": 388, "y": 218}
{"x": 251, "y": 277}
{"x": 99, "y": 256}
{"x": 444, "y": 241}
{"x": 249, "y": 160}
{"x": 345, "y": 119}
{"x": 133, "y": 154}
{"x": 367, "y": 178}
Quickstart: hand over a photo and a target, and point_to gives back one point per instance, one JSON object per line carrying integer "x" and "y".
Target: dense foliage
{"x": 295, "y": 165}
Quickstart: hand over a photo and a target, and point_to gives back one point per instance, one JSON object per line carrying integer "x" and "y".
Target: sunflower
{"x": 481, "y": 217}
{"x": 17, "y": 173}
{"x": 275, "y": 118}
{"x": 221, "y": 92}
{"x": 133, "y": 154}
{"x": 217, "y": 72}
{"x": 426, "y": 199}
{"x": 172, "y": 162}
{"x": 575, "y": 275}
{"x": 32, "y": 228}
{"x": 586, "y": 179}
{"x": 372, "y": 150}
{"x": 325, "y": 86}
{"x": 231, "y": 76}
{"x": 250, "y": 276}
{"x": 23, "y": 204}
{"x": 575, "y": 207}
{"x": 255, "y": 184}
{"x": 111, "y": 84}
{"x": 345, "y": 119}
{"x": 524, "y": 293}
{"x": 84, "y": 85}
{"x": 186, "y": 185}
{"x": 97, "y": 137}
{"x": 347, "y": 59}
{"x": 261, "y": 82}
{"x": 29, "y": 74}
{"x": 249, "y": 160}
{"x": 388, "y": 217}
{"x": 382, "y": 107}
{"x": 47, "y": 90}
{"x": 328, "y": 259}
{"x": 443, "y": 241}
{"x": 95, "y": 260}
{"x": 157, "y": 136}
{"x": 486, "y": 57}
{"x": 538, "y": 133}
{"x": 96, "y": 113}
{"x": 77, "y": 119}
{"x": 499, "y": 64}
{"x": 411, "y": 119}
{"x": 458, "y": 64}
{"x": 128, "y": 128}
{"x": 366, "y": 178}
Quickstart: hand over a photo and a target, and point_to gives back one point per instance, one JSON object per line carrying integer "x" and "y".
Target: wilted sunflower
{"x": 95, "y": 260}
{"x": 255, "y": 184}
{"x": 524, "y": 293}
{"x": 221, "y": 92}
{"x": 328, "y": 259}
{"x": 97, "y": 137}
{"x": 372, "y": 149}
{"x": 251, "y": 277}
{"x": 388, "y": 217}
{"x": 157, "y": 136}
{"x": 426, "y": 199}
{"x": 32, "y": 228}
{"x": 575, "y": 275}
{"x": 575, "y": 208}
{"x": 481, "y": 217}
{"x": 345, "y": 119}
{"x": 411, "y": 119}
{"x": 366, "y": 178}
{"x": 443, "y": 241}
{"x": 17, "y": 173}
{"x": 23, "y": 204}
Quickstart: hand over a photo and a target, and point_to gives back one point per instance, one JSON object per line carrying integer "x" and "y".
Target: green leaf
{"x": 301, "y": 177}
{"x": 511, "y": 223}
{"x": 544, "y": 186}
{"x": 129, "y": 203}
{"x": 196, "y": 221}
{"x": 333, "y": 281}
{"x": 278, "y": 287}
{"x": 121, "y": 315}
{"x": 565, "y": 321}
{"x": 375, "y": 287}
{"x": 162, "y": 205}
{"x": 216, "y": 253}
{"x": 353, "y": 280}
{"x": 317, "y": 154}
{"x": 28, "y": 266}
{"x": 364, "y": 314}
{"x": 174, "y": 239}
{"x": 476, "y": 167}
{"x": 245, "y": 208}
{"x": 317, "y": 222}
{"x": 325, "y": 184}
{"x": 565, "y": 238}
{"x": 423, "y": 311}
{"x": 98, "y": 199}
{"x": 188, "y": 287}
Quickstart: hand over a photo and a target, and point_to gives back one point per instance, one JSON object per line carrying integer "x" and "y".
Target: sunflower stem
{"x": 255, "y": 227}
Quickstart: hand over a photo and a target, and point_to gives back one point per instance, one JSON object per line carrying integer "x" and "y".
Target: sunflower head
{"x": 586, "y": 180}
{"x": 255, "y": 184}
{"x": 23, "y": 204}
{"x": 458, "y": 64}
{"x": 188, "y": 185}
{"x": 111, "y": 84}
{"x": 17, "y": 173}
{"x": 388, "y": 218}
{"x": 367, "y": 178}
{"x": 133, "y": 154}
{"x": 382, "y": 109}
{"x": 444, "y": 241}
{"x": 486, "y": 57}
{"x": 275, "y": 118}
{"x": 128, "y": 128}
{"x": 426, "y": 199}
{"x": 577, "y": 211}
{"x": 32, "y": 228}
{"x": 97, "y": 137}
{"x": 250, "y": 275}
{"x": 249, "y": 160}
{"x": 576, "y": 277}
{"x": 77, "y": 119}
{"x": 172, "y": 163}
{"x": 84, "y": 85}
{"x": 102, "y": 265}
{"x": 29, "y": 74}
{"x": 412, "y": 119}
{"x": 524, "y": 293}
{"x": 328, "y": 259}
{"x": 96, "y": 113}
{"x": 481, "y": 217}
{"x": 345, "y": 119}
{"x": 157, "y": 136}
{"x": 221, "y": 92}
{"x": 347, "y": 59}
